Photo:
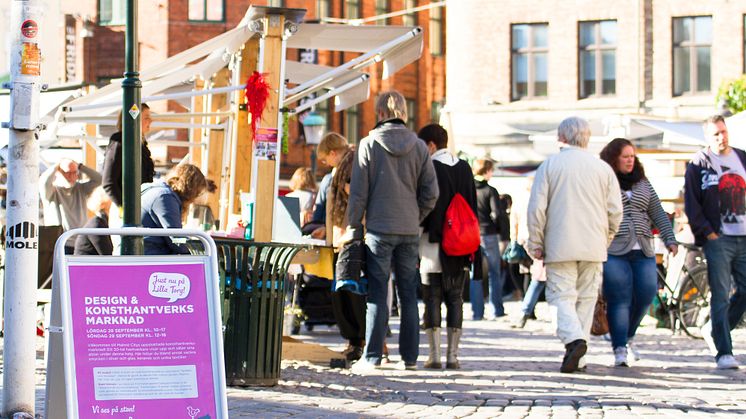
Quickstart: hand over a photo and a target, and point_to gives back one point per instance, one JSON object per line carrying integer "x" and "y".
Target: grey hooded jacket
{"x": 393, "y": 182}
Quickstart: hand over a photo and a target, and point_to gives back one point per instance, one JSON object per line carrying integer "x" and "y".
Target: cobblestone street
{"x": 513, "y": 374}
{"x": 506, "y": 373}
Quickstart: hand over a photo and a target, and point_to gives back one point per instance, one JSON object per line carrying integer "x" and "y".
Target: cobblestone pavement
{"x": 507, "y": 373}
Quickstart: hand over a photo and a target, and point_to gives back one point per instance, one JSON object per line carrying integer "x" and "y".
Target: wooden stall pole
{"x": 195, "y": 152}
{"x": 216, "y": 145}
{"x": 277, "y": 25}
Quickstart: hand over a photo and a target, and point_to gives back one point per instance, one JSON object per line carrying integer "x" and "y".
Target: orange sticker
{"x": 30, "y": 59}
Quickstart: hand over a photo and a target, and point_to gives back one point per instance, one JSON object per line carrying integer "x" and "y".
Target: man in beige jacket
{"x": 573, "y": 214}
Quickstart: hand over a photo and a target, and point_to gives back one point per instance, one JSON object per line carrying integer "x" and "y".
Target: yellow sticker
{"x": 134, "y": 111}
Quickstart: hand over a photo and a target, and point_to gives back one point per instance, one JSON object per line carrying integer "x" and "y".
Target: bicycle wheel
{"x": 694, "y": 302}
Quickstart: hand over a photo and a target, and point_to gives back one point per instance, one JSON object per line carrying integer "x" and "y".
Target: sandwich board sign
{"x": 141, "y": 335}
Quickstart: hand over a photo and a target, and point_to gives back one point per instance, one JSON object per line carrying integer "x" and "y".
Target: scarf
{"x": 341, "y": 178}
{"x": 626, "y": 181}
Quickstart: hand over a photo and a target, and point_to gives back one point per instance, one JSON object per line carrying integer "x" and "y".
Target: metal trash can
{"x": 253, "y": 295}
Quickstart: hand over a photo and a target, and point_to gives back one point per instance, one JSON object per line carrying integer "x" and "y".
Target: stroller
{"x": 314, "y": 298}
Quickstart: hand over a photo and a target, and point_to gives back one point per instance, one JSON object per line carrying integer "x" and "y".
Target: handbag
{"x": 600, "y": 324}
{"x": 515, "y": 253}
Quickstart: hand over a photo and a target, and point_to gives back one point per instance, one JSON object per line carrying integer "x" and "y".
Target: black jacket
{"x": 488, "y": 208}
{"x": 94, "y": 245}
{"x": 702, "y": 202}
{"x": 112, "y": 173}
{"x": 451, "y": 179}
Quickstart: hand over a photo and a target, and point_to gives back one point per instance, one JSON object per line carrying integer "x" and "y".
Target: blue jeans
{"x": 630, "y": 284}
{"x": 726, "y": 256}
{"x": 383, "y": 252}
{"x": 491, "y": 254}
{"x": 532, "y": 296}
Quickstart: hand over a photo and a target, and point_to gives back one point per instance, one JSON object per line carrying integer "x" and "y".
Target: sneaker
{"x": 363, "y": 367}
{"x": 573, "y": 352}
{"x": 633, "y": 351}
{"x": 401, "y": 365}
{"x": 727, "y": 362}
{"x": 706, "y": 330}
{"x": 620, "y": 356}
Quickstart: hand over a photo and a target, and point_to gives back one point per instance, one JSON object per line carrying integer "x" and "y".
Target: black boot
{"x": 573, "y": 352}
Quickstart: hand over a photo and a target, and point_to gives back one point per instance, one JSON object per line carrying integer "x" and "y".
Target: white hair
{"x": 574, "y": 131}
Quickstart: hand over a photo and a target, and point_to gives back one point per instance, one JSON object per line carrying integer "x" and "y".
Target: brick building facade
{"x": 527, "y": 64}
{"x": 168, "y": 27}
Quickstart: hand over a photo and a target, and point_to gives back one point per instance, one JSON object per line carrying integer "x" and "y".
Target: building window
{"x": 352, "y": 9}
{"x": 530, "y": 50}
{"x": 352, "y": 124}
{"x": 382, "y": 7}
{"x": 436, "y": 31}
{"x": 692, "y": 40}
{"x": 597, "y": 58}
{"x": 206, "y": 10}
{"x": 323, "y": 8}
{"x": 410, "y": 19}
{"x": 112, "y": 12}
{"x": 412, "y": 114}
{"x": 435, "y": 109}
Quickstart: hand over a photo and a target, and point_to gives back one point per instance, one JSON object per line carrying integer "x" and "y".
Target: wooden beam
{"x": 242, "y": 135}
{"x": 89, "y": 153}
{"x": 198, "y": 103}
{"x": 266, "y": 169}
{"x": 215, "y": 165}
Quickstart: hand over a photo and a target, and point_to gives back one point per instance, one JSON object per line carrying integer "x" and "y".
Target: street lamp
{"x": 313, "y": 129}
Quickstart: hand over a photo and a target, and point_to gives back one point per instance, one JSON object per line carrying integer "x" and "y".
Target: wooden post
{"x": 216, "y": 145}
{"x": 266, "y": 178}
{"x": 89, "y": 153}
{"x": 195, "y": 153}
{"x": 242, "y": 135}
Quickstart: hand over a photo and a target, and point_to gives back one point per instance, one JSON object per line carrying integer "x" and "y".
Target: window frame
{"x": 436, "y": 19}
{"x": 112, "y": 22}
{"x": 692, "y": 46}
{"x": 529, "y": 51}
{"x": 353, "y": 112}
{"x": 356, "y": 4}
{"x": 328, "y": 4}
{"x": 598, "y": 47}
{"x": 409, "y": 4}
{"x": 379, "y": 10}
{"x": 411, "y": 113}
{"x": 205, "y": 19}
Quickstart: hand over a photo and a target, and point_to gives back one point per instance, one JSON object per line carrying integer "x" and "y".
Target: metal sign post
{"x": 22, "y": 218}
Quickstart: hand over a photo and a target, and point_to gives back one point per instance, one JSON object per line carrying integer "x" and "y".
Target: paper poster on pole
{"x": 142, "y": 341}
{"x": 265, "y": 146}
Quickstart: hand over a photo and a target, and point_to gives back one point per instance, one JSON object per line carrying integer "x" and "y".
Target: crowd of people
{"x": 388, "y": 203}
{"x": 587, "y": 228}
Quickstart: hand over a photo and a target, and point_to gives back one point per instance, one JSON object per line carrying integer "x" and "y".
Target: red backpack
{"x": 460, "y": 228}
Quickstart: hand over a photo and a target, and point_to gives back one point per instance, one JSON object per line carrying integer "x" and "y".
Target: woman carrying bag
{"x": 630, "y": 277}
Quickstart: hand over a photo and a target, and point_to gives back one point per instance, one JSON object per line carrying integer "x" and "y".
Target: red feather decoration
{"x": 257, "y": 93}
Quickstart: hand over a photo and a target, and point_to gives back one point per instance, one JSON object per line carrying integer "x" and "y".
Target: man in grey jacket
{"x": 573, "y": 214}
{"x": 393, "y": 187}
{"x": 64, "y": 192}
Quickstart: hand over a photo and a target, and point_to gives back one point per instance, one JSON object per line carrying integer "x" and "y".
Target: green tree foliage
{"x": 732, "y": 94}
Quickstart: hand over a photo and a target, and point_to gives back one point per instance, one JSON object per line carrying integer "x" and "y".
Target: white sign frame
{"x": 61, "y": 299}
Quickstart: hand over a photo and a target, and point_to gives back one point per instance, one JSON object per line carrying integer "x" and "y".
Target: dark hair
{"x": 435, "y": 134}
{"x": 482, "y": 166}
{"x": 611, "y": 152}
{"x": 119, "y": 116}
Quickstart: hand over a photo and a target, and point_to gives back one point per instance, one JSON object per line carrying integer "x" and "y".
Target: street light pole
{"x": 22, "y": 217}
{"x": 131, "y": 147}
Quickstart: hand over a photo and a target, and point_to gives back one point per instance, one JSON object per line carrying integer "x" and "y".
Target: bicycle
{"x": 684, "y": 292}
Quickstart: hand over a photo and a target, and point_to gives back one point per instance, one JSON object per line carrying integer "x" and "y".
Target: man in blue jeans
{"x": 393, "y": 188}
{"x": 715, "y": 203}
